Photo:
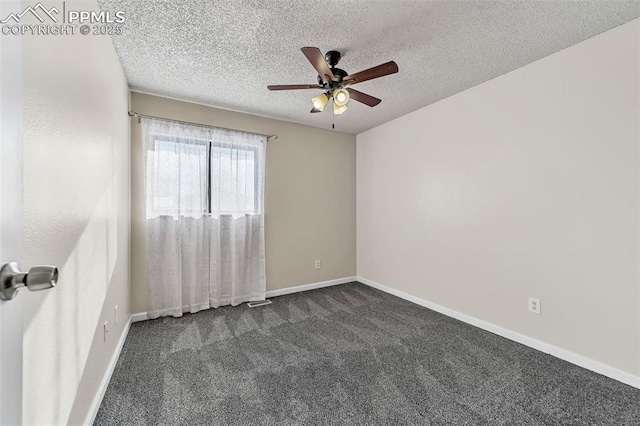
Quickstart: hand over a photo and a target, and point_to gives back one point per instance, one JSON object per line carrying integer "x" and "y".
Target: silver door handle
{"x": 38, "y": 278}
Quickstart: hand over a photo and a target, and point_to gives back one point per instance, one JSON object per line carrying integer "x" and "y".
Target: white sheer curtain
{"x": 204, "y": 217}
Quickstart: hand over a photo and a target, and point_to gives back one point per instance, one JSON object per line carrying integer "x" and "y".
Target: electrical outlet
{"x": 115, "y": 315}
{"x": 317, "y": 264}
{"x": 534, "y": 305}
{"x": 105, "y": 329}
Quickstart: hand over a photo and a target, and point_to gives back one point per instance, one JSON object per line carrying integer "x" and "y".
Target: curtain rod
{"x": 139, "y": 116}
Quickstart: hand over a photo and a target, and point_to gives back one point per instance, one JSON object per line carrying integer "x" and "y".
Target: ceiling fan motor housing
{"x": 332, "y": 57}
{"x": 338, "y": 73}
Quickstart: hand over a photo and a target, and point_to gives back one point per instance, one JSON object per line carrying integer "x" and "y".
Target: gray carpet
{"x": 347, "y": 355}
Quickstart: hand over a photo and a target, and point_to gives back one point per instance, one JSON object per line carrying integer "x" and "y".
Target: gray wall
{"x": 526, "y": 185}
{"x": 309, "y": 196}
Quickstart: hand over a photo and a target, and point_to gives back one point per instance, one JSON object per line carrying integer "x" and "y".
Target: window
{"x": 171, "y": 162}
{"x": 233, "y": 180}
{"x": 215, "y": 178}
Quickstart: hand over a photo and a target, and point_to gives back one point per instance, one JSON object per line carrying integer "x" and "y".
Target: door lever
{"x": 38, "y": 278}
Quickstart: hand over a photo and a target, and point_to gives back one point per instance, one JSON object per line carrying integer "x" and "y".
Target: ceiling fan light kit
{"x": 320, "y": 101}
{"x": 340, "y": 97}
{"x": 336, "y": 82}
{"x": 338, "y": 109}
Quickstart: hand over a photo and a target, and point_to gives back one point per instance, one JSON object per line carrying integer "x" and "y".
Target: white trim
{"x": 305, "y": 287}
{"x": 142, "y": 316}
{"x": 95, "y": 406}
{"x": 548, "y": 348}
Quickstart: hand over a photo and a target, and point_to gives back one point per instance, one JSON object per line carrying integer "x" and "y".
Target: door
{"x": 10, "y": 219}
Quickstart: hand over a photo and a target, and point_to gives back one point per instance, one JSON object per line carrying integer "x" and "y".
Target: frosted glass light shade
{"x": 320, "y": 101}
{"x": 340, "y": 97}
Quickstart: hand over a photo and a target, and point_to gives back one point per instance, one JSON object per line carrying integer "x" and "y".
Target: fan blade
{"x": 363, "y": 97}
{"x": 315, "y": 56}
{"x": 371, "y": 73}
{"x": 314, "y": 110}
{"x": 294, "y": 86}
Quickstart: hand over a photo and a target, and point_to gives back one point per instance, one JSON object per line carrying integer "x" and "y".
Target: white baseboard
{"x": 142, "y": 316}
{"x": 305, "y": 287}
{"x": 548, "y": 348}
{"x": 95, "y": 406}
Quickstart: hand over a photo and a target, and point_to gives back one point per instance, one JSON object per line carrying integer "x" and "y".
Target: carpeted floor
{"x": 347, "y": 355}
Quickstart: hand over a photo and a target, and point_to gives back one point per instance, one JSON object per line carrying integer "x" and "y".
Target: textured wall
{"x": 526, "y": 185}
{"x": 309, "y": 196}
{"x": 76, "y": 216}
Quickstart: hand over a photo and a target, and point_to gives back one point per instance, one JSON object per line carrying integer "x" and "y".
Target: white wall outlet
{"x": 115, "y": 315}
{"x": 534, "y": 305}
{"x": 317, "y": 264}
{"x": 105, "y": 329}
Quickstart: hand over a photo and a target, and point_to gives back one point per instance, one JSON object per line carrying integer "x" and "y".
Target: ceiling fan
{"x": 336, "y": 83}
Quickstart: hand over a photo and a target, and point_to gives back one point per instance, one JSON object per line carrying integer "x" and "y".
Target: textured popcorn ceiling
{"x": 225, "y": 52}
